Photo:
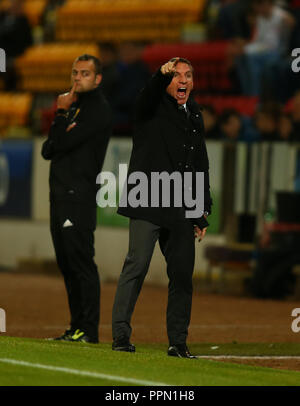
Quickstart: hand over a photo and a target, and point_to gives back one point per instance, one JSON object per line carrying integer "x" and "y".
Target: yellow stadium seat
{"x": 14, "y": 110}
{"x": 47, "y": 67}
{"x": 126, "y": 19}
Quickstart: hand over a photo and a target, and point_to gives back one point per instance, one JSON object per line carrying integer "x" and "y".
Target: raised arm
{"x": 153, "y": 91}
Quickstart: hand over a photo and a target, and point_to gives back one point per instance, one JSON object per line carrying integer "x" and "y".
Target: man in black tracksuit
{"x": 168, "y": 137}
{"x": 76, "y": 146}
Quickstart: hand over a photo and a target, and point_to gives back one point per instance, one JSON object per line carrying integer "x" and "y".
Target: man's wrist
{"x": 61, "y": 112}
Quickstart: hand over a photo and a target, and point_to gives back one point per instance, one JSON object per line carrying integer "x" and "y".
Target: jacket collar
{"x": 84, "y": 95}
{"x": 190, "y": 104}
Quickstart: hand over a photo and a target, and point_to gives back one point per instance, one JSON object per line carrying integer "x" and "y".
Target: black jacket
{"x": 165, "y": 140}
{"x": 77, "y": 155}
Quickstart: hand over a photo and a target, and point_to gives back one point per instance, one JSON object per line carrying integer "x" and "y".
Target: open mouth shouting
{"x": 181, "y": 92}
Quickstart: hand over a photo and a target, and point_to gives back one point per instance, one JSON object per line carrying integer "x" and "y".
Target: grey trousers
{"x": 178, "y": 248}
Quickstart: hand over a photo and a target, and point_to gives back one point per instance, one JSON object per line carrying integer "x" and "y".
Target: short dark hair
{"x": 271, "y": 109}
{"x": 227, "y": 114}
{"x": 208, "y": 107}
{"x": 182, "y": 60}
{"x": 96, "y": 61}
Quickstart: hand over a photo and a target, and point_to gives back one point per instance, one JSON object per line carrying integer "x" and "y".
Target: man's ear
{"x": 98, "y": 79}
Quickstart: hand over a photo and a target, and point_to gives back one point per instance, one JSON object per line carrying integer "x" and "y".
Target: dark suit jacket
{"x": 165, "y": 140}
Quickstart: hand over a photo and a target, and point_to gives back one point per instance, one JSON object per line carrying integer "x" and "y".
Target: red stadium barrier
{"x": 244, "y": 105}
{"x": 208, "y": 59}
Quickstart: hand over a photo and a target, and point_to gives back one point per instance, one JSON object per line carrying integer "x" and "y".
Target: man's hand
{"x": 199, "y": 233}
{"x": 65, "y": 100}
{"x": 169, "y": 67}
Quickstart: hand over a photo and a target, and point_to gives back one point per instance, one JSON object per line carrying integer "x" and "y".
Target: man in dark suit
{"x": 76, "y": 146}
{"x": 169, "y": 138}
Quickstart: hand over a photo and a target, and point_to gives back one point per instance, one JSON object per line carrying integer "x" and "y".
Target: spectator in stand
{"x": 235, "y": 127}
{"x": 210, "y": 120}
{"x": 235, "y": 23}
{"x": 15, "y": 37}
{"x": 235, "y": 20}
{"x": 134, "y": 74}
{"x": 279, "y": 82}
{"x": 48, "y": 19}
{"x": 266, "y": 122}
{"x": 285, "y": 127}
{"x": 230, "y": 124}
{"x": 269, "y": 44}
{"x": 110, "y": 70}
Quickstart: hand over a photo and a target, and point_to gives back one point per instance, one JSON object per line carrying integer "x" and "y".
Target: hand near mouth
{"x": 65, "y": 100}
{"x": 169, "y": 67}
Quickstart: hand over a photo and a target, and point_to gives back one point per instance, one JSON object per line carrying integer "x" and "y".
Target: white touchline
{"x": 83, "y": 373}
{"x": 266, "y": 357}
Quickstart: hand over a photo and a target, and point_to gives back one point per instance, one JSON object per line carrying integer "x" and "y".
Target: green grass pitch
{"x": 37, "y": 362}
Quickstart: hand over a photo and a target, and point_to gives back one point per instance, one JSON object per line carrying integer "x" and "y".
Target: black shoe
{"x": 80, "y": 337}
{"x": 66, "y": 336}
{"x": 123, "y": 344}
{"x": 181, "y": 351}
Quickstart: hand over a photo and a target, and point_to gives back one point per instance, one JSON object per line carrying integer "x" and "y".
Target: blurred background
{"x": 250, "y": 98}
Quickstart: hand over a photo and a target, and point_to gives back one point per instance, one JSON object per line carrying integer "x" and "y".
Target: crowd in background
{"x": 261, "y": 34}
{"x": 270, "y": 123}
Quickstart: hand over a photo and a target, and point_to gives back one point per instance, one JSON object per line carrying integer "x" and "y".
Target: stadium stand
{"x": 211, "y": 72}
{"x": 14, "y": 110}
{"x": 46, "y": 68}
{"x": 244, "y": 105}
{"x": 33, "y": 9}
{"x": 126, "y": 20}
{"x": 81, "y": 25}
